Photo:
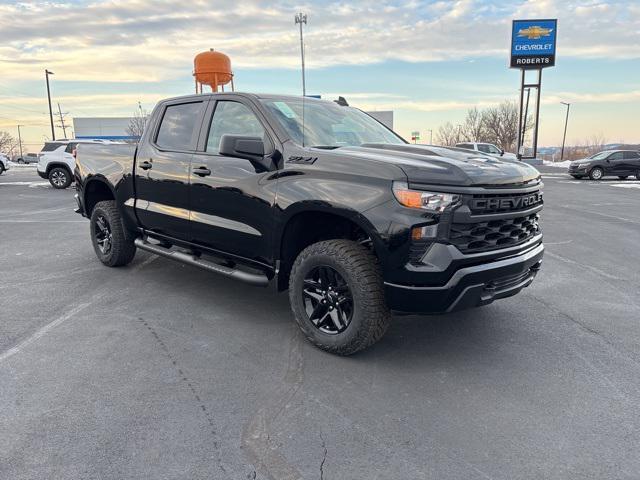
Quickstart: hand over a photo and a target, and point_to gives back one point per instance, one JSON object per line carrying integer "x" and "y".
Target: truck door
{"x": 231, "y": 198}
{"x": 162, "y": 168}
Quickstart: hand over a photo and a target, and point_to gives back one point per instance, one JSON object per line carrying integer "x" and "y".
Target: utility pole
{"x": 20, "y": 140}
{"x": 53, "y": 132}
{"x": 64, "y": 128}
{"x": 300, "y": 19}
{"x": 564, "y": 137}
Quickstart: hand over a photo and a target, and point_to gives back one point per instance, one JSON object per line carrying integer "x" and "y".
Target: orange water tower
{"x": 214, "y": 69}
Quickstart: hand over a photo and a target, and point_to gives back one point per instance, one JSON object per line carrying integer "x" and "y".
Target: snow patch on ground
{"x": 564, "y": 164}
{"x": 625, "y": 185}
{"x": 20, "y": 165}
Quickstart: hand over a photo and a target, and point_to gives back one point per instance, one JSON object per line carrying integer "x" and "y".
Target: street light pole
{"x": 564, "y": 137}
{"x": 20, "y": 140}
{"x": 300, "y": 19}
{"x": 53, "y": 132}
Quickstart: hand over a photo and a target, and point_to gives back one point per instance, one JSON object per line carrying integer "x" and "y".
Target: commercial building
{"x": 102, "y": 128}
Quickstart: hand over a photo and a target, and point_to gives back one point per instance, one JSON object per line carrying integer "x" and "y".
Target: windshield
{"x": 599, "y": 156}
{"x": 328, "y": 124}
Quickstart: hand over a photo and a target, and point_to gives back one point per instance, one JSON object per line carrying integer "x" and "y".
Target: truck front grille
{"x": 494, "y": 234}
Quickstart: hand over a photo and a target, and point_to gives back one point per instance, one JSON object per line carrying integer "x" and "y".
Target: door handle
{"x": 145, "y": 165}
{"x": 201, "y": 171}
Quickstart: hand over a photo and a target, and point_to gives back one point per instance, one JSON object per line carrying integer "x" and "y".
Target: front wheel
{"x": 596, "y": 173}
{"x": 111, "y": 241}
{"x": 337, "y": 296}
{"x": 59, "y": 178}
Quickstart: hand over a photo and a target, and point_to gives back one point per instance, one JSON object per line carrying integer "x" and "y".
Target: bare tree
{"x": 448, "y": 135}
{"x": 472, "y": 128}
{"x": 136, "y": 125}
{"x": 8, "y": 143}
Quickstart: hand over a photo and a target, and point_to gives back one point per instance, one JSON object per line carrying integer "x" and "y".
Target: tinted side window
{"x": 50, "y": 147}
{"x": 233, "y": 118}
{"x": 466, "y": 145}
{"x": 631, "y": 155}
{"x": 178, "y": 126}
{"x": 70, "y": 147}
{"x": 615, "y": 156}
{"x": 483, "y": 148}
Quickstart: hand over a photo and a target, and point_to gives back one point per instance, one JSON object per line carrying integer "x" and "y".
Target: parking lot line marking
{"x": 591, "y": 212}
{"x": 42, "y": 221}
{"x": 585, "y": 266}
{"x": 42, "y": 331}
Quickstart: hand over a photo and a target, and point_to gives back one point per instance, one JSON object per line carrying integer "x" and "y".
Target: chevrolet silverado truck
{"x": 320, "y": 199}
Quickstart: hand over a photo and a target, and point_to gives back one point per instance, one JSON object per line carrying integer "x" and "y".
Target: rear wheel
{"x": 622, "y": 177}
{"x": 59, "y": 177}
{"x": 112, "y": 243}
{"x": 596, "y": 173}
{"x": 337, "y": 296}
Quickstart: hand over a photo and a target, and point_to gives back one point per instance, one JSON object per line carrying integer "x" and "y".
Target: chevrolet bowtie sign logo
{"x": 533, "y": 43}
{"x": 535, "y": 32}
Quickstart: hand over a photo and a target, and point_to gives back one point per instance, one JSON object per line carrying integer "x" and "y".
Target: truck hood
{"x": 440, "y": 166}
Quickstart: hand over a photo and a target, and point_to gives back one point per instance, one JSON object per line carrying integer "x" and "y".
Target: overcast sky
{"x": 428, "y": 61}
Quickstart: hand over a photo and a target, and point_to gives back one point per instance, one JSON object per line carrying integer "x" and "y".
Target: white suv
{"x": 57, "y": 161}
{"x": 4, "y": 163}
{"x": 488, "y": 148}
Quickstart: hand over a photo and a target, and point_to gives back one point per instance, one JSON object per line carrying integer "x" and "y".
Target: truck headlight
{"x": 435, "y": 202}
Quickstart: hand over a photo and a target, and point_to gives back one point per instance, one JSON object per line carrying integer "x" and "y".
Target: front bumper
{"x": 42, "y": 174}
{"x": 575, "y": 170}
{"x": 469, "y": 286}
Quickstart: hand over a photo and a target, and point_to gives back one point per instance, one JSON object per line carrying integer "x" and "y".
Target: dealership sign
{"x": 533, "y": 43}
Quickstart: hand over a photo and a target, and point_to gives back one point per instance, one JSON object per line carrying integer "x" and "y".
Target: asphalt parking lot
{"x": 160, "y": 370}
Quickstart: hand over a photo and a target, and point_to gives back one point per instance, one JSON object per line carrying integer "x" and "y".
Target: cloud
{"x": 155, "y": 40}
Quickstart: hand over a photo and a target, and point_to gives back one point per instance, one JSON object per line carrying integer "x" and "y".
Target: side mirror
{"x": 242, "y": 146}
{"x": 501, "y": 152}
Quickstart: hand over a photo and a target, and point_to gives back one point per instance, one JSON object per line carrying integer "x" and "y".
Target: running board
{"x": 251, "y": 278}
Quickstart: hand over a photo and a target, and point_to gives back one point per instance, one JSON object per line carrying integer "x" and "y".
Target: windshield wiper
{"x": 326, "y": 147}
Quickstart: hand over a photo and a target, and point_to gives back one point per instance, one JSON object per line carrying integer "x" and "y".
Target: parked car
{"x": 488, "y": 148}
{"x": 28, "y": 158}
{"x": 343, "y": 213}
{"x": 4, "y": 163}
{"x": 614, "y": 163}
{"x": 57, "y": 161}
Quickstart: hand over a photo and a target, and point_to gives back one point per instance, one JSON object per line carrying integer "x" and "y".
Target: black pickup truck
{"x": 318, "y": 198}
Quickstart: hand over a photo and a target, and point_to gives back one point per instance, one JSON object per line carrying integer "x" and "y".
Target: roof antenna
{"x": 342, "y": 102}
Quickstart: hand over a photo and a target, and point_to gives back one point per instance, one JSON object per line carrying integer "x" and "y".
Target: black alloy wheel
{"x": 103, "y": 235}
{"x": 328, "y": 301}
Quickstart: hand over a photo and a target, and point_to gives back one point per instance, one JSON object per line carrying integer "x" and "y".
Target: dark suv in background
{"x": 619, "y": 163}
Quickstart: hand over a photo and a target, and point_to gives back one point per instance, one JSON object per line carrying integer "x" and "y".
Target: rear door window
{"x": 631, "y": 155}
{"x": 50, "y": 146}
{"x": 179, "y": 125}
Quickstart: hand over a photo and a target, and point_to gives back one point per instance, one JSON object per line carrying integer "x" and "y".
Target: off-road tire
{"x": 60, "y": 178}
{"x": 623, "y": 177}
{"x": 122, "y": 248}
{"x": 360, "y": 270}
{"x": 596, "y": 173}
